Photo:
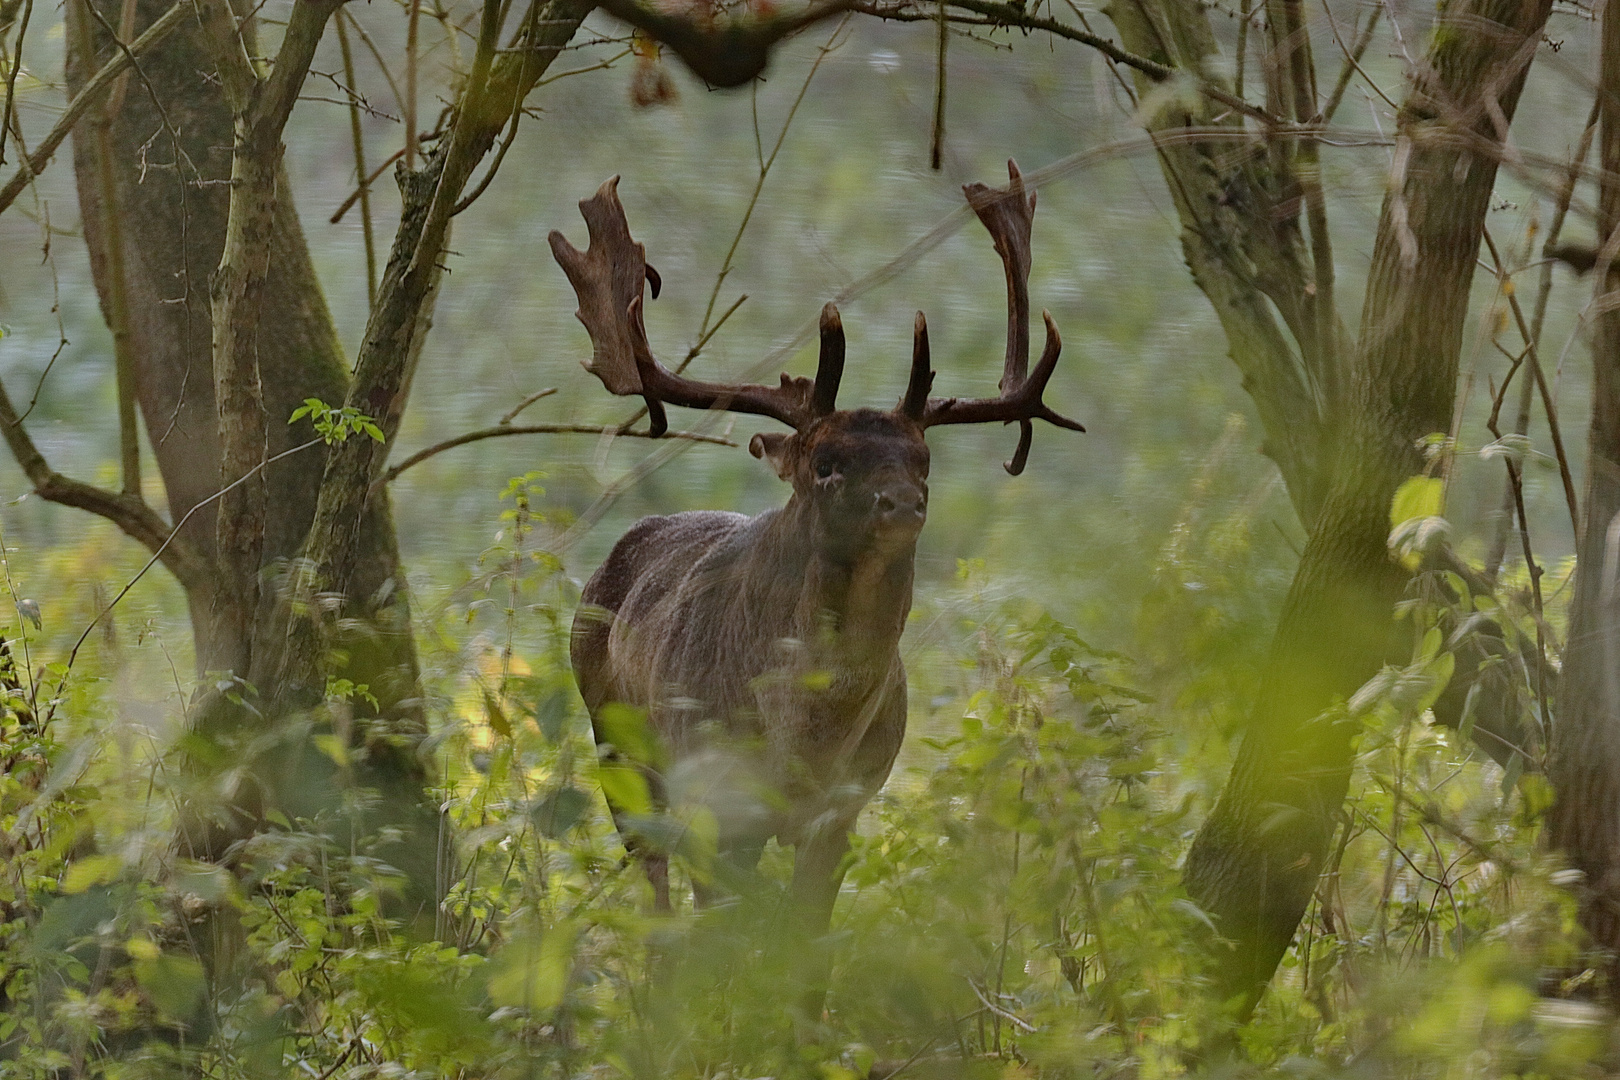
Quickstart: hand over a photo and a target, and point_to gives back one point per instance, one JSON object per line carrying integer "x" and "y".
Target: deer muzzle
{"x": 900, "y": 506}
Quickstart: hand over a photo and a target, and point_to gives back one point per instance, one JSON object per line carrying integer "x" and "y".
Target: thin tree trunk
{"x": 499, "y": 81}
{"x": 1585, "y": 762}
{"x": 1255, "y": 862}
{"x": 1237, "y": 199}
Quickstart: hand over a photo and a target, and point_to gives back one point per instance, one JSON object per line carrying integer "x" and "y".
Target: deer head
{"x": 863, "y": 471}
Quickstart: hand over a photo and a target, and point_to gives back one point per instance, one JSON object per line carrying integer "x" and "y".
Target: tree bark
{"x": 1239, "y": 205}
{"x": 385, "y": 365}
{"x": 1255, "y": 862}
{"x": 171, "y": 142}
{"x": 1584, "y": 765}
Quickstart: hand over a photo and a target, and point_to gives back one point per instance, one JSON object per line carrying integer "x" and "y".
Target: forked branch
{"x": 31, "y": 165}
{"x": 125, "y": 509}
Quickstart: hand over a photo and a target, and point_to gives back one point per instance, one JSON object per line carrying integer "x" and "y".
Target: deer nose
{"x": 901, "y": 504}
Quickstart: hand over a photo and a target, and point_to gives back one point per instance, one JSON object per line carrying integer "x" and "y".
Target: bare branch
{"x": 1547, "y": 403}
{"x": 33, "y": 164}
{"x": 376, "y": 54}
{"x": 361, "y": 173}
{"x": 525, "y": 403}
{"x": 365, "y": 186}
{"x": 125, "y": 509}
{"x": 501, "y": 430}
{"x": 1352, "y": 62}
{"x": 164, "y": 551}
{"x": 15, "y": 66}
{"x": 1007, "y": 15}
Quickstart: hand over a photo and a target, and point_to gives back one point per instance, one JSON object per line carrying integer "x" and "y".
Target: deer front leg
{"x": 818, "y": 871}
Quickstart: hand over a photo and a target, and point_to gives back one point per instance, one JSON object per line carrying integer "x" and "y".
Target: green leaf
{"x": 626, "y": 727}
{"x": 552, "y": 714}
{"x": 333, "y": 747}
{"x": 533, "y": 974}
{"x": 175, "y": 984}
{"x": 626, "y": 789}
{"x": 92, "y": 870}
{"x": 496, "y": 716}
{"x": 560, "y": 810}
{"x": 1417, "y": 497}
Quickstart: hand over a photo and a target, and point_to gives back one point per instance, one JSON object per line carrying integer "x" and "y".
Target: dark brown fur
{"x": 765, "y": 650}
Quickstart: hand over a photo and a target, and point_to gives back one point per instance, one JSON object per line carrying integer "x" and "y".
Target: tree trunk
{"x": 1239, "y": 202}
{"x": 167, "y": 212}
{"x": 1255, "y": 862}
{"x": 1585, "y": 761}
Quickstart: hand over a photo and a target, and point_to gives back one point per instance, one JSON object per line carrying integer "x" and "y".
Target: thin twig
{"x": 1245, "y": 14}
{"x": 765, "y": 170}
{"x": 1007, "y": 15}
{"x": 357, "y": 136}
{"x": 936, "y": 146}
{"x": 525, "y": 403}
{"x": 365, "y": 185}
{"x": 603, "y": 66}
{"x": 691, "y": 354}
{"x": 705, "y": 330}
{"x": 174, "y": 533}
{"x": 1541, "y": 384}
{"x": 354, "y": 1044}
{"x": 410, "y": 84}
{"x": 376, "y": 54}
{"x": 11, "y": 80}
{"x": 1566, "y": 192}
{"x": 1352, "y": 63}
{"x": 500, "y": 430}
{"x": 998, "y": 1011}
{"x": 31, "y": 165}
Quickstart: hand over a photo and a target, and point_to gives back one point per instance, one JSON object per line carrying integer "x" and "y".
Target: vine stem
{"x": 764, "y": 171}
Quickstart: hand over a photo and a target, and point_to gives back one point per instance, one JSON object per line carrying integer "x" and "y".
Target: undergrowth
{"x": 1012, "y": 907}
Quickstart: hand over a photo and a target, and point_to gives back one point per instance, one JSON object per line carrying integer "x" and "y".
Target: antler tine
{"x": 609, "y": 277}
{"x": 915, "y": 403}
{"x": 1009, "y": 215}
{"x": 606, "y": 277}
{"x": 830, "y": 369}
{"x": 1023, "y": 404}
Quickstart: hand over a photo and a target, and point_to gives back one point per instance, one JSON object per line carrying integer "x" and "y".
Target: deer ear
{"x": 772, "y": 447}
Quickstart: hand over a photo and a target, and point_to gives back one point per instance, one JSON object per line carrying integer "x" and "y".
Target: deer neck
{"x": 851, "y": 609}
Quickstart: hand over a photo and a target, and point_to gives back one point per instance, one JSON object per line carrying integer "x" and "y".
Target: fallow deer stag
{"x": 764, "y": 651}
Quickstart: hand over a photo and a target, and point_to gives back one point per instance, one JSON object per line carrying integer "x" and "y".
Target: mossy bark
{"x": 1255, "y": 862}
{"x": 170, "y": 168}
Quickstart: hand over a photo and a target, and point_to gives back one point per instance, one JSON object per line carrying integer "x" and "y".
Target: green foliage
{"x": 1012, "y": 906}
{"x": 334, "y": 425}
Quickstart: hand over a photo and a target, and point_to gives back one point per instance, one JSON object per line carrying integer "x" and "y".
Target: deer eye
{"x": 826, "y": 470}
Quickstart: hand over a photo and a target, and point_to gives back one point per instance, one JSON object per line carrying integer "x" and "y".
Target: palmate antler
{"x": 1008, "y": 214}
{"x": 608, "y": 277}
